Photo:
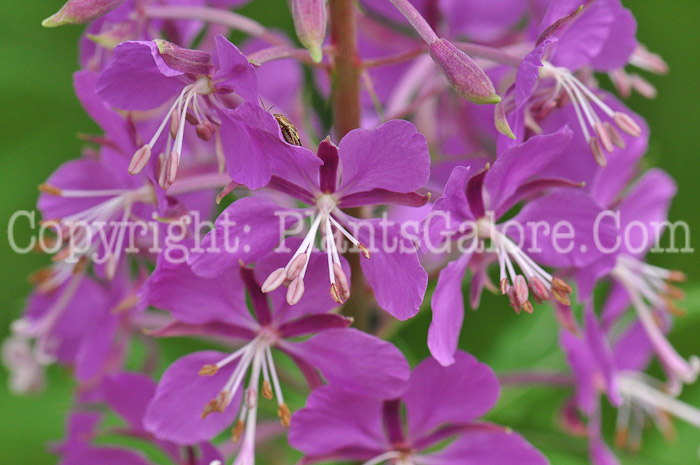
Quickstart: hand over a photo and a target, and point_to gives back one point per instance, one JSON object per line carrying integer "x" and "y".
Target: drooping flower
{"x": 191, "y": 407}
{"x": 382, "y": 166}
{"x": 441, "y": 404}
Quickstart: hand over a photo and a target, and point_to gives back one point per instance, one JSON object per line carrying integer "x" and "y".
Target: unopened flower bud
{"x": 184, "y": 59}
{"x": 463, "y": 74}
{"x": 80, "y": 12}
{"x": 310, "y": 25}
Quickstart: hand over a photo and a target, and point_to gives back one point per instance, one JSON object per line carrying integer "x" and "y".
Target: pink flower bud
{"x": 463, "y": 74}
{"x": 310, "y": 24}
{"x": 80, "y": 11}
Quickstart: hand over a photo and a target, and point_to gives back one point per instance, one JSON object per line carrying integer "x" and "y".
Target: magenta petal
{"x": 579, "y": 213}
{"x": 448, "y": 311}
{"x": 519, "y": 164}
{"x": 129, "y": 394}
{"x": 488, "y": 447}
{"x": 235, "y": 71}
{"x": 633, "y": 349}
{"x": 313, "y": 324}
{"x": 376, "y": 159}
{"x": 212, "y": 329}
{"x": 621, "y": 41}
{"x": 114, "y": 124}
{"x": 449, "y": 210}
{"x": 597, "y": 342}
{"x": 175, "y": 413}
{"x": 98, "y": 345}
{"x": 456, "y": 394}
{"x": 583, "y": 369}
{"x": 646, "y": 205}
{"x": 193, "y": 299}
{"x": 335, "y": 420}
{"x": 355, "y": 361}
{"x": 138, "y": 78}
{"x": 393, "y": 269}
{"x": 255, "y": 150}
{"x": 247, "y": 230}
{"x": 383, "y": 197}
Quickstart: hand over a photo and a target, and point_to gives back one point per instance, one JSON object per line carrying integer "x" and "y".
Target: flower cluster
{"x": 468, "y": 139}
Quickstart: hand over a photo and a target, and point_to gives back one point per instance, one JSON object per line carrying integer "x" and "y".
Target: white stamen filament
{"x": 627, "y": 273}
{"x": 325, "y": 222}
{"x": 641, "y": 393}
{"x": 391, "y": 455}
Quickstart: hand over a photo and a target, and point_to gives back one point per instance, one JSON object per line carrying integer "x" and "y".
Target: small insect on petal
{"x": 289, "y": 131}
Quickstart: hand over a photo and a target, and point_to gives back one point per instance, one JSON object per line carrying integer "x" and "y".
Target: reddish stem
{"x": 346, "y": 112}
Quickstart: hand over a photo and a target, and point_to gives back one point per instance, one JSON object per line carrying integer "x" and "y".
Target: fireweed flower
{"x": 441, "y": 404}
{"x": 51, "y": 329}
{"x": 145, "y": 74}
{"x": 191, "y": 407}
{"x": 127, "y": 395}
{"x": 467, "y": 215}
{"x": 650, "y": 290}
{"x": 382, "y": 166}
{"x": 572, "y": 40}
{"x": 600, "y": 364}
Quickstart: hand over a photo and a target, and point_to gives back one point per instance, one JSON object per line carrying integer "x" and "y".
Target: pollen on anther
{"x": 364, "y": 250}
{"x": 284, "y": 414}
{"x": 208, "y": 370}
{"x": 237, "y": 430}
{"x": 49, "y": 189}
{"x": 266, "y": 390}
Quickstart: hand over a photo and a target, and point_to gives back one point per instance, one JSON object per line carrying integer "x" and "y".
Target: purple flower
{"x": 599, "y": 35}
{"x": 441, "y": 404}
{"x": 145, "y": 74}
{"x": 184, "y": 403}
{"x": 128, "y": 395}
{"x": 467, "y": 214}
{"x": 601, "y": 363}
{"x": 83, "y": 323}
{"x": 382, "y": 166}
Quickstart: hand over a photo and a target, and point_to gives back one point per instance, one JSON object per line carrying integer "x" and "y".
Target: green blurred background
{"x": 39, "y": 121}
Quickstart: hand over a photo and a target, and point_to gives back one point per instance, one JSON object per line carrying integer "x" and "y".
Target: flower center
{"x": 186, "y": 108}
{"x": 295, "y": 270}
{"x": 514, "y": 284}
{"x": 254, "y": 358}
